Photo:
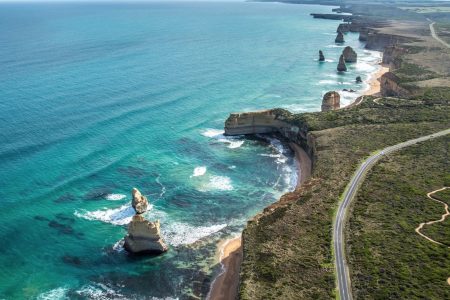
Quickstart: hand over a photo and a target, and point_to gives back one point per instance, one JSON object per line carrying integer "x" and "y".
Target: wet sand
{"x": 374, "y": 82}
{"x": 226, "y": 285}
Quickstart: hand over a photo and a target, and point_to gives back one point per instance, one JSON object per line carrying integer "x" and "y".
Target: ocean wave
{"x": 233, "y": 142}
{"x": 98, "y": 291}
{"x": 55, "y": 294}
{"x": 288, "y": 174}
{"x": 217, "y": 183}
{"x": 115, "y": 197}
{"x": 116, "y": 216}
{"x": 176, "y": 234}
{"x": 199, "y": 171}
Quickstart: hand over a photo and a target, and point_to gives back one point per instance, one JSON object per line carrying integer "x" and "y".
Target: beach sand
{"x": 226, "y": 285}
{"x": 374, "y": 81}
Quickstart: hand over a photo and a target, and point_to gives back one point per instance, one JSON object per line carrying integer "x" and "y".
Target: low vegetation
{"x": 387, "y": 258}
{"x": 288, "y": 248}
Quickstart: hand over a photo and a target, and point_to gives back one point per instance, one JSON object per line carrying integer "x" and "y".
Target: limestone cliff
{"x": 139, "y": 202}
{"x": 350, "y": 55}
{"x": 392, "y": 54}
{"x": 342, "y": 67}
{"x": 390, "y": 86}
{"x": 143, "y": 236}
{"x": 339, "y": 38}
{"x": 270, "y": 121}
{"x": 331, "y": 101}
{"x": 321, "y": 56}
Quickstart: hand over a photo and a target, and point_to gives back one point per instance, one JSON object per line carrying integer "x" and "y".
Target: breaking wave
{"x": 233, "y": 142}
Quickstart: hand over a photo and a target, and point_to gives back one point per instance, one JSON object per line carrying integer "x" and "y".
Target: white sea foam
{"x": 118, "y": 246}
{"x": 174, "y": 233}
{"x": 199, "y": 171}
{"x": 213, "y": 133}
{"x": 115, "y": 197}
{"x": 99, "y": 291}
{"x": 177, "y": 234}
{"x": 232, "y": 141}
{"x": 216, "y": 183}
{"x": 117, "y": 216}
{"x": 289, "y": 173}
{"x": 55, "y": 294}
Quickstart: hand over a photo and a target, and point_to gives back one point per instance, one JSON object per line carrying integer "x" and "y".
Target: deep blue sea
{"x": 98, "y": 98}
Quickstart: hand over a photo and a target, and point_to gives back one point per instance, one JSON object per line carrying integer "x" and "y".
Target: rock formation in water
{"x": 143, "y": 236}
{"x": 342, "y": 67}
{"x": 350, "y": 56}
{"x": 358, "y": 79}
{"x": 340, "y": 38}
{"x": 321, "y": 56}
{"x": 331, "y": 101}
{"x": 139, "y": 202}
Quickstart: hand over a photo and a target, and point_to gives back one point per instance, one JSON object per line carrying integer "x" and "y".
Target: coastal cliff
{"x": 270, "y": 121}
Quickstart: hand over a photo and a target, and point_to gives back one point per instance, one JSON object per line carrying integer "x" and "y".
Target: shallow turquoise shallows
{"x": 98, "y": 98}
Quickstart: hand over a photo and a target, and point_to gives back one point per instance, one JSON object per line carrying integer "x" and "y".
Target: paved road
{"x": 343, "y": 277}
{"x": 435, "y": 36}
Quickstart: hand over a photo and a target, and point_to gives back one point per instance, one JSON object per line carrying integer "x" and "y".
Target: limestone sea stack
{"x": 340, "y": 38}
{"x": 331, "y": 101}
{"x": 139, "y": 202}
{"x": 359, "y": 79}
{"x": 144, "y": 236}
{"x": 321, "y": 56}
{"x": 350, "y": 56}
{"x": 342, "y": 67}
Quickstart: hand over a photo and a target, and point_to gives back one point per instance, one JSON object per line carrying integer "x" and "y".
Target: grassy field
{"x": 387, "y": 258}
{"x": 287, "y": 249}
{"x": 443, "y": 30}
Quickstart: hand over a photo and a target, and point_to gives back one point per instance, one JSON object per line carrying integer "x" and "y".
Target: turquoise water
{"x": 98, "y": 98}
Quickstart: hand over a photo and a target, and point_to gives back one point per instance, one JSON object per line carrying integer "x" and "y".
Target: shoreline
{"x": 226, "y": 285}
{"x": 230, "y": 252}
{"x": 374, "y": 81}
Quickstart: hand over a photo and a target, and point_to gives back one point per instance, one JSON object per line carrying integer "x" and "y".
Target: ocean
{"x": 98, "y": 98}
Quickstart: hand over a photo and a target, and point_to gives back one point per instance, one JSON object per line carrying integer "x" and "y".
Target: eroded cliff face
{"x": 379, "y": 41}
{"x": 392, "y": 54}
{"x": 270, "y": 121}
{"x": 390, "y": 86}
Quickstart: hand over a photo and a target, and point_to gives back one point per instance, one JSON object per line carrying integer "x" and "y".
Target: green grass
{"x": 387, "y": 258}
{"x": 287, "y": 249}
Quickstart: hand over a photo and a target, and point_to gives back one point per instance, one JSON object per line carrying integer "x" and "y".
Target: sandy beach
{"x": 374, "y": 81}
{"x": 230, "y": 254}
{"x": 226, "y": 285}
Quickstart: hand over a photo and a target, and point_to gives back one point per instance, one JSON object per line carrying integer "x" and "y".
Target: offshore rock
{"x": 340, "y": 38}
{"x": 331, "y": 101}
{"x": 350, "y": 56}
{"x": 342, "y": 67}
{"x": 321, "y": 56}
{"x": 359, "y": 79}
{"x": 139, "y": 202}
{"x": 144, "y": 237}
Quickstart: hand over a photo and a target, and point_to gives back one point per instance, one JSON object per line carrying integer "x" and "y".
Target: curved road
{"x": 435, "y": 36}
{"x": 343, "y": 278}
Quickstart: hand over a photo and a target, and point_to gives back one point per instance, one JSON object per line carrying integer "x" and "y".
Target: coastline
{"x": 226, "y": 285}
{"x": 374, "y": 81}
{"x": 230, "y": 252}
